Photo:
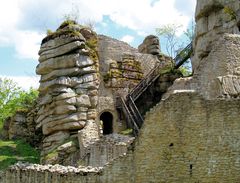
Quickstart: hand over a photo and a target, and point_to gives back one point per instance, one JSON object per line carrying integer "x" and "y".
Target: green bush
{"x": 14, "y": 151}
{"x": 13, "y": 98}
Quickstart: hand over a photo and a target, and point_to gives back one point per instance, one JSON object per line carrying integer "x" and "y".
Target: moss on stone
{"x": 59, "y": 33}
{"x": 128, "y": 131}
{"x": 229, "y": 11}
{"x": 52, "y": 155}
{"x": 67, "y": 23}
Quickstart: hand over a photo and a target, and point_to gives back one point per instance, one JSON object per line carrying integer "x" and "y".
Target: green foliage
{"x": 169, "y": 32}
{"x": 229, "y": 11}
{"x": 67, "y": 22}
{"x": 14, "y": 151}
{"x": 49, "y": 32}
{"x": 190, "y": 33}
{"x": 128, "y": 131}
{"x": 13, "y": 98}
{"x": 174, "y": 45}
{"x": 185, "y": 70}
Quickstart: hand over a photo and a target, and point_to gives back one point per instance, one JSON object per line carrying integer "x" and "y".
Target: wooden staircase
{"x": 128, "y": 107}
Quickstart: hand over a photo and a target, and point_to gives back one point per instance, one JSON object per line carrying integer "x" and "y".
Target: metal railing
{"x": 183, "y": 56}
{"x": 128, "y": 106}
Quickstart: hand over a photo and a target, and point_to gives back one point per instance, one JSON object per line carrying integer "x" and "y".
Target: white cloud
{"x": 25, "y": 82}
{"x": 127, "y": 38}
{"x": 27, "y": 44}
{"x": 24, "y": 21}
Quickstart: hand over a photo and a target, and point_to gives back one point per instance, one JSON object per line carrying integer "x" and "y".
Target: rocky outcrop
{"x": 150, "y": 45}
{"x": 213, "y": 18}
{"x": 69, "y": 84}
{"x": 22, "y": 126}
{"x": 216, "y": 58}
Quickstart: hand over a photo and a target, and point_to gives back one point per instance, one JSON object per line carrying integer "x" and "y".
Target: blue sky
{"x": 24, "y": 24}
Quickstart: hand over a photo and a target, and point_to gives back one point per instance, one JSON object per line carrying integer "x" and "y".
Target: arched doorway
{"x": 107, "y": 122}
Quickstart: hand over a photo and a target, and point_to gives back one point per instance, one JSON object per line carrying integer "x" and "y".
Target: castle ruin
{"x": 93, "y": 88}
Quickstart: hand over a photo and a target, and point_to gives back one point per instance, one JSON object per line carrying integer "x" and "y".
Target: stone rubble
{"x": 55, "y": 168}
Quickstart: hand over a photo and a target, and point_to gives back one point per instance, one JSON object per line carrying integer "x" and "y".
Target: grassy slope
{"x": 14, "y": 151}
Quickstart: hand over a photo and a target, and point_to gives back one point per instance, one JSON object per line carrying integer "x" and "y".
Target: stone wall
{"x": 197, "y": 141}
{"x": 106, "y": 150}
{"x": 22, "y": 126}
{"x": 32, "y": 173}
{"x": 123, "y": 75}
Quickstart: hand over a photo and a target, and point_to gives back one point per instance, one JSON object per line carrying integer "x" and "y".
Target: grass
{"x": 14, "y": 151}
{"x": 127, "y": 132}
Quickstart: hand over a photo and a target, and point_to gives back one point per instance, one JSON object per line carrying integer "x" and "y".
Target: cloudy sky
{"x": 23, "y": 24}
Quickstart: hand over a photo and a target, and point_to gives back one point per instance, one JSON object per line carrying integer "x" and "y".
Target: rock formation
{"x": 68, "y": 65}
{"x": 150, "y": 45}
{"x": 22, "y": 126}
{"x": 216, "y": 50}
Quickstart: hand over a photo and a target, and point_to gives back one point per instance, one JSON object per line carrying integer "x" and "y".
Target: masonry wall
{"x": 188, "y": 139}
{"x": 185, "y": 138}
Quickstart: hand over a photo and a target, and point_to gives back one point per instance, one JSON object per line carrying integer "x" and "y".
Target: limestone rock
{"x": 62, "y": 72}
{"x": 61, "y": 50}
{"x": 62, "y": 62}
{"x": 67, "y": 147}
{"x": 84, "y": 79}
{"x": 56, "y": 137}
{"x": 212, "y": 21}
{"x": 65, "y": 81}
{"x": 55, "y": 126}
{"x": 64, "y": 96}
{"x": 230, "y": 85}
{"x": 83, "y": 101}
{"x": 59, "y": 41}
{"x": 64, "y": 109}
{"x": 150, "y": 45}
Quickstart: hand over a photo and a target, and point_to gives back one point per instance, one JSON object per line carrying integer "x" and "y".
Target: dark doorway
{"x": 107, "y": 120}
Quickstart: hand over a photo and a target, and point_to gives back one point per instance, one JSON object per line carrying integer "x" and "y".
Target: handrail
{"x": 183, "y": 56}
{"x": 129, "y": 107}
{"x": 132, "y": 121}
{"x": 137, "y": 114}
{"x": 144, "y": 83}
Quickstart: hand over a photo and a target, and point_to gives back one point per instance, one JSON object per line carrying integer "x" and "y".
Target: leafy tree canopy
{"x": 13, "y": 98}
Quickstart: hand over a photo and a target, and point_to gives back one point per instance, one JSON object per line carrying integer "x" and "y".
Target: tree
{"x": 169, "y": 33}
{"x": 174, "y": 44}
{"x": 13, "y": 98}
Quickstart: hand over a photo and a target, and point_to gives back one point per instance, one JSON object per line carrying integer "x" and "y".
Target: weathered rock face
{"x": 213, "y": 18}
{"x": 150, "y": 45}
{"x": 216, "y": 58}
{"x": 69, "y": 83}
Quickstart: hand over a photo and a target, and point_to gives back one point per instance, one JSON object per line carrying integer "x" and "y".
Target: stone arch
{"x": 107, "y": 122}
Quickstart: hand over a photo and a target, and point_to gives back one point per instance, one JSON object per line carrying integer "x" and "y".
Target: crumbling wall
{"x": 22, "y": 126}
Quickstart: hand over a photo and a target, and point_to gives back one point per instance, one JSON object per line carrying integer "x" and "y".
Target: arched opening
{"x": 107, "y": 122}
